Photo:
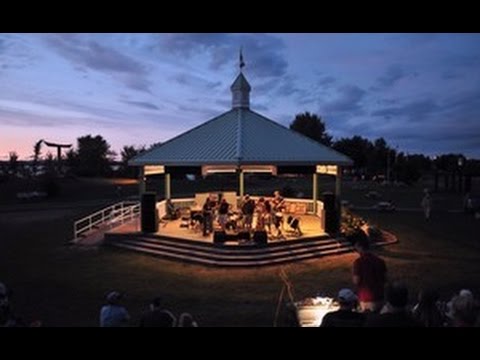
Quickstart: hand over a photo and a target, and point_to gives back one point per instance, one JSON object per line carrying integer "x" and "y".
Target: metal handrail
{"x": 114, "y": 214}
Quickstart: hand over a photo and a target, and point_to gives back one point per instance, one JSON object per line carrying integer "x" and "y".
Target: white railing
{"x": 113, "y": 215}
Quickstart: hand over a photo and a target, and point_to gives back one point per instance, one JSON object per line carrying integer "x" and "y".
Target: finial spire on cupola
{"x": 241, "y": 88}
{"x": 242, "y": 63}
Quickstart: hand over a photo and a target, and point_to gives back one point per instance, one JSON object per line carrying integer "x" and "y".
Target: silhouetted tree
{"x": 127, "y": 153}
{"x": 93, "y": 156}
{"x": 50, "y": 165}
{"x": 13, "y": 162}
{"x": 356, "y": 148}
{"x": 153, "y": 145}
{"x": 312, "y": 126}
{"x": 36, "y": 155}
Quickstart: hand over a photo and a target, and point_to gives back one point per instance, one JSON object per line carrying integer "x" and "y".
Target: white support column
{"x": 141, "y": 181}
{"x": 338, "y": 183}
{"x": 241, "y": 183}
{"x": 315, "y": 192}
{"x": 167, "y": 186}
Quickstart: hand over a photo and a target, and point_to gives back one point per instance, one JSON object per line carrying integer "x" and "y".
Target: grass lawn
{"x": 64, "y": 286}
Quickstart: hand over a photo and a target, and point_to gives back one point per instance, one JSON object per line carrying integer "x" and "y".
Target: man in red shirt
{"x": 369, "y": 275}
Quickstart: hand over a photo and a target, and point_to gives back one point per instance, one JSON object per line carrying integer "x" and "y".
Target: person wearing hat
{"x": 112, "y": 314}
{"x": 345, "y": 316}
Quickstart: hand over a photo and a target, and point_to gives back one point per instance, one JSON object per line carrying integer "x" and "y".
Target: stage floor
{"x": 310, "y": 226}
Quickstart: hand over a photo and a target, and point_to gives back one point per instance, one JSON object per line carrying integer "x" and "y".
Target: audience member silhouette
{"x": 113, "y": 314}
{"x": 345, "y": 316}
{"x": 156, "y": 316}
{"x": 186, "y": 320}
{"x": 394, "y": 313}
{"x": 426, "y": 310}
{"x": 7, "y": 317}
{"x": 462, "y": 310}
{"x": 369, "y": 274}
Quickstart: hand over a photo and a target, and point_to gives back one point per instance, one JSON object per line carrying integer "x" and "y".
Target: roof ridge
{"x": 239, "y": 134}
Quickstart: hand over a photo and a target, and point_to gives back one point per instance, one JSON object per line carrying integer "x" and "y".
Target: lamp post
{"x": 460, "y": 173}
{"x": 388, "y": 166}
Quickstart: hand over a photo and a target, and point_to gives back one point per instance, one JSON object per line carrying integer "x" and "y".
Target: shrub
{"x": 350, "y": 223}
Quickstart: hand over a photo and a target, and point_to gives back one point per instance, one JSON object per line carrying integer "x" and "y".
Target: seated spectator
{"x": 427, "y": 311}
{"x": 156, "y": 316}
{"x": 186, "y": 320}
{"x": 112, "y": 314}
{"x": 7, "y": 318}
{"x": 345, "y": 316}
{"x": 394, "y": 313}
{"x": 462, "y": 311}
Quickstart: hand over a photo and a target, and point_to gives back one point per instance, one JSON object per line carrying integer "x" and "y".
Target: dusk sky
{"x": 421, "y": 92}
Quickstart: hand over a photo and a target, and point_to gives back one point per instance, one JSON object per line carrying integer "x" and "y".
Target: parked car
{"x": 385, "y": 206}
{"x": 373, "y": 195}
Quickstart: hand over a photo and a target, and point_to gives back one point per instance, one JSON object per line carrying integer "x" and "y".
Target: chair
{"x": 293, "y": 224}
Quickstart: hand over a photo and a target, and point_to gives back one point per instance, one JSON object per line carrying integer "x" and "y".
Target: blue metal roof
{"x": 240, "y": 136}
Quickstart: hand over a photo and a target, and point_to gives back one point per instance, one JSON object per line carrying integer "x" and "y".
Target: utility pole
{"x": 388, "y": 166}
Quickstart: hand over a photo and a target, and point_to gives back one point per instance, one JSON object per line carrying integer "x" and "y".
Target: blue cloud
{"x": 414, "y": 111}
{"x": 263, "y": 54}
{"x": 142, "y": 104}
{"x": 326, "y": 81}
{"x": 194, "y": 81}
{"x": 348, "y": 101}
{"x": 84, "y": 53}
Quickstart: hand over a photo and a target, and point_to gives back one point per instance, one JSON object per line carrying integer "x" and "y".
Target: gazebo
{"x": 241, "y": 141}
{"x": 238, "y": 141}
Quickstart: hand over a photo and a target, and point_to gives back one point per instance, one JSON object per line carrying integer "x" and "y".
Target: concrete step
{"x": 208, "y": 254}
{"x": 234, "y": 256}
{"x": 232, "y": 262}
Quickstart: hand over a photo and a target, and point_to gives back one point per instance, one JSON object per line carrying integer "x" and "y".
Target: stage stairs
{"x": 229, "y": 255}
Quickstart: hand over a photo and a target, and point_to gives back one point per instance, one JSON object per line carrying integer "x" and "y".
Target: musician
{"x": 260, "y": 211}
{"x": 278, "y": 202}
{"x": 268, "y": 216}
{"x": 171, "y": 213}
{"x": 223, "y": 213}
{"x": 248, "y": 208}
{"x": 278, "y": 210}
{"x": 207, "y": 212}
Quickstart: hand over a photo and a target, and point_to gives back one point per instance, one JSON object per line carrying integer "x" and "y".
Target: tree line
{"x": 93, "y": 156}
{"x": 377, "y": 158}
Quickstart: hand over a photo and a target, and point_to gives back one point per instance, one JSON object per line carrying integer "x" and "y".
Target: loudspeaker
{"x": 244, "y": 235}
{"x": 260, "y": 237}
{"x": 332, "y": 223}
{"x": 149, "y": 216}
{"x": 231, "y": 237}
{"x": 328, "y": 201}
{"x": 219, "y": 237}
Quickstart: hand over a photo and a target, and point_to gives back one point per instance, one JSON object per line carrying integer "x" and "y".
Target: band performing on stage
{"x": 267, "y": 214}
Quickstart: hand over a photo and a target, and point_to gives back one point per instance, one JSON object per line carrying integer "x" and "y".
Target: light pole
{"x": 388, "y": 166}
{"x": 460, "y": 173}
